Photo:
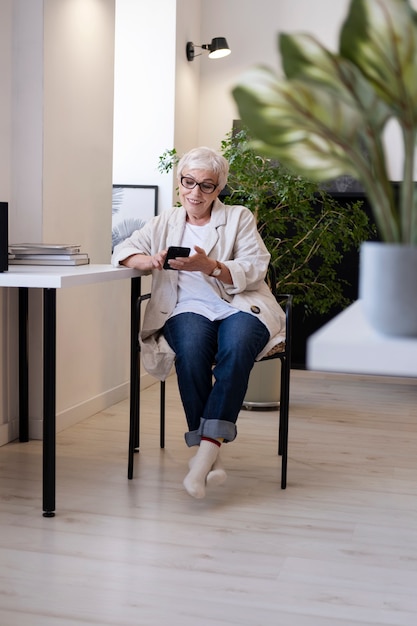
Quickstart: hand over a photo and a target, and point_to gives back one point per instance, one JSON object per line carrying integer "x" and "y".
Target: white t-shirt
{"x": 197, "y": 292}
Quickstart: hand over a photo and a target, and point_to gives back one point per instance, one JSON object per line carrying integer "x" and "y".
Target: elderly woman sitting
{"x": 214, "y": 316}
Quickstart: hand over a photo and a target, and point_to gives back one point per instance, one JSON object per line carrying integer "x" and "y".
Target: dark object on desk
{"x": 4, "y": 236}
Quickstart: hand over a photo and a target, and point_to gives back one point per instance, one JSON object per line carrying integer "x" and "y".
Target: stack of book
{"x": 46, "y": 254}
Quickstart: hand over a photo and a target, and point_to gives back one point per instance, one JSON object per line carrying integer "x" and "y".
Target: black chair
{"x": 282, "y": 352}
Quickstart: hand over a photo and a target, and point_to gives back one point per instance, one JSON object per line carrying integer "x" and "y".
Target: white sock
{"x": 195, "y": 481}
{"x": 216, "y": 476}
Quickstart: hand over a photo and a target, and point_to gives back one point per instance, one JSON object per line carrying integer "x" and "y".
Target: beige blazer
{"x": 234, "y": 240}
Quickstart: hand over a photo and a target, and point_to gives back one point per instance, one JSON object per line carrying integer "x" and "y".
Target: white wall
{"x": 77, "y": 171}
{"x": 187, "y": 95}
{"x": 203, "y": 109}
{"x": 59, "y": 61}
{"x": 251, "y": 29}
{"x": 5, "y": 97}
{"x": 78, "y": 60}
{"x": 26, "y": 148}
{"x": 144, "y": 102}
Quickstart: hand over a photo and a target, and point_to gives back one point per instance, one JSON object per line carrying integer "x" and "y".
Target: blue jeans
{"x": 232, "y": 344}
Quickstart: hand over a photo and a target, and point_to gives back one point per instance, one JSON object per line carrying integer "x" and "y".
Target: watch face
{"x": 216, "y": 272}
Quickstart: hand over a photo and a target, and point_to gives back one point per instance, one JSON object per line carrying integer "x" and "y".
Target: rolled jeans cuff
{"x": 214, "y": 429}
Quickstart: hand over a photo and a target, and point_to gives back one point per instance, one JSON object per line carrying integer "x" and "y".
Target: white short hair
{"x": 205, "y": 159}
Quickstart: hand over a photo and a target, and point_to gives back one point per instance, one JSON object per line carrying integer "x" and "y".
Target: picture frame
{"x": 132, "y": 207}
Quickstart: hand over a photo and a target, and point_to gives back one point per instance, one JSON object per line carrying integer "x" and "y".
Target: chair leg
{"x": 283, "y": 421}
{"x": 284, "y": 455}
{"x": 281, "y": 406}
{"x": 162, "y": 415}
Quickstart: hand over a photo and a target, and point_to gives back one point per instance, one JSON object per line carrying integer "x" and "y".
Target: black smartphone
{"x": 173, "y": 252}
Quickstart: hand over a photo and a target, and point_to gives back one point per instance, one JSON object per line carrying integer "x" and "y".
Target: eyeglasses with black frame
{"x": 190, "y": 183}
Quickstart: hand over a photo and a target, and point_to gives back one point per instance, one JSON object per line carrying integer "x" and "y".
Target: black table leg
{"x": 134, "y": 372}
{"x": 23, "y": 365}
{"x": 49, "y": 401}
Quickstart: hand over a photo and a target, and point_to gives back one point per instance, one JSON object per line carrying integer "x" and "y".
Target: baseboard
{"x": 76, "y": 413}
{"x": 9, "y": 432}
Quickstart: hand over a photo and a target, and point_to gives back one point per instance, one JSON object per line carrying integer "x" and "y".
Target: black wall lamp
{"x": 218, "y": 48}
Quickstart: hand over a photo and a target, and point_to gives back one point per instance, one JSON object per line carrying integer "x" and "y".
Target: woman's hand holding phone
{"x": 175, "y": 252}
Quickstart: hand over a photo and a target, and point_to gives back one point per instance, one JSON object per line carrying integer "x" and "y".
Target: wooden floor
{"x": 338, "y": 547}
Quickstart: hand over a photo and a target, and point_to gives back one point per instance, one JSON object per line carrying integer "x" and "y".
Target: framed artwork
{"x": 132, "y": 207}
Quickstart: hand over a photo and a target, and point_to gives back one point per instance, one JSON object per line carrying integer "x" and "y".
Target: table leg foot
{"x": 48, "y": 513}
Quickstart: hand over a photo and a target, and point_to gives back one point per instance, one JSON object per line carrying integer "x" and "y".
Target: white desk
{"x": 49, "y": 279}
{"x": 348, "y": 344}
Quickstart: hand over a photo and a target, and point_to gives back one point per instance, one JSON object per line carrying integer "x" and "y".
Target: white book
{"x": 83, "y": 261}
{"x": 51, "y": 257}
{"x": 44, "y": 248}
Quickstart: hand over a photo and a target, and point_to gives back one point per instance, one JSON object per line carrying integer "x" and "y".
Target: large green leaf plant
{"x": 327, "y": 115}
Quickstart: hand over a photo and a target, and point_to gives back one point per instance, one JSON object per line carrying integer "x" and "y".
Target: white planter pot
{"x": 264, "y": 386}
{"x": 388, "y": 287}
